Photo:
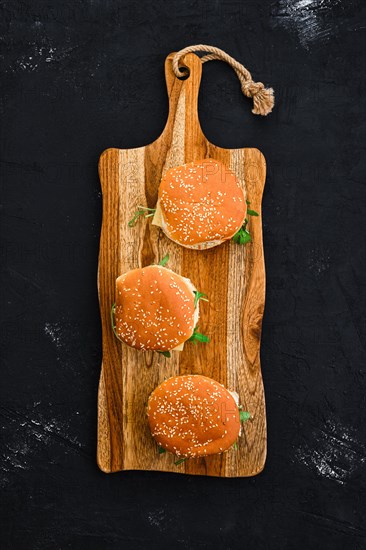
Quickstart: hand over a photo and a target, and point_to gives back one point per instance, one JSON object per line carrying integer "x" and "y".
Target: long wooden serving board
{"x": 231, "y": 275}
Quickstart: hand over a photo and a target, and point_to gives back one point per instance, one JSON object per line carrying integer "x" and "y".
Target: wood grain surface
{"x": 231, "y": 275}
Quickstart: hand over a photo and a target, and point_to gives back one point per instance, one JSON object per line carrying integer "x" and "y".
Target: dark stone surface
{"x": 78, "y": 77}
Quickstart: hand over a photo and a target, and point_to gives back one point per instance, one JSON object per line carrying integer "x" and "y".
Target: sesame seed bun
{"x": 200, "y": 204}
{"x": 154, "y": 308}
{"x": 192, "y": 415}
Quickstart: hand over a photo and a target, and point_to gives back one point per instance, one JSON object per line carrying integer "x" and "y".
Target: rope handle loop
{"x": 263, "y": 98}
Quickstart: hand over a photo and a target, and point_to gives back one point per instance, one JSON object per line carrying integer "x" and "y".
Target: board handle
{"x": 183, "y": 99}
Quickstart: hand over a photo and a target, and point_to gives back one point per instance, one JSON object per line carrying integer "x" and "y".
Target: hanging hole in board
{"x": 185, "y": 72}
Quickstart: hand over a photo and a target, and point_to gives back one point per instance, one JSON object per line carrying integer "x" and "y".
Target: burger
{"x": 193, "y": 416}
{"x": 156, "y": 309}
{"x": 200, "y": 204}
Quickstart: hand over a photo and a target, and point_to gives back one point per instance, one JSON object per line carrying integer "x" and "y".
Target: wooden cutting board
{"x": 231, "y": 275}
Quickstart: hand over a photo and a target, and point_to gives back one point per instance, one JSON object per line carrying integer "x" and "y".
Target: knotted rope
{"x": 263, "y": 98}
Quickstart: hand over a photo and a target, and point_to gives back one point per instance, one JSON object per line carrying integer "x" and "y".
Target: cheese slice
{"x": 179, "y": 348}
{"x": 236, "y": 399}
{"x": 192, "y": 288}
{"x": 158, "y": 216}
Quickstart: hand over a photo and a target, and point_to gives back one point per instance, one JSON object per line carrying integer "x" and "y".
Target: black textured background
{"x": 79, "y": 77}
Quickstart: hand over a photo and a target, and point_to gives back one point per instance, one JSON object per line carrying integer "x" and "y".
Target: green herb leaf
{"x": 244, "y": 416}
{"x": 142, "y": 211}
{"x": 165, "y": 353}
{"x": 235, "y": 446}
{"x": 199, "y": 296}
{"x": 133, "y": 221}
{"x": 177, "y": 462}
{"x": 164, "y": 261}
{"x": 242, "y": 236}
{"x": 161, "y": 450}
{"x": 198, "y": 337}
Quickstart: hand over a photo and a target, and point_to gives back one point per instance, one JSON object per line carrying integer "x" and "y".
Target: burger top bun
{"x": 154, "y": 308}
{"x": 192, "y": 415}
{"x": 200, "y": 204}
